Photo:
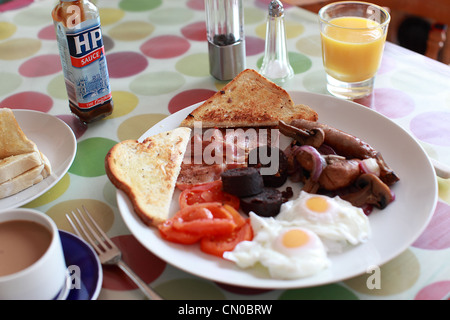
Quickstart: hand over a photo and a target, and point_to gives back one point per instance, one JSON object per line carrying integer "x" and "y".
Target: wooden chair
{"x": 437, "y": 12}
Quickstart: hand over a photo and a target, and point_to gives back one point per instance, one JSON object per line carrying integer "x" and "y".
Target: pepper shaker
{"x": 276, "y": 66}
{"x": 226, "y": 41}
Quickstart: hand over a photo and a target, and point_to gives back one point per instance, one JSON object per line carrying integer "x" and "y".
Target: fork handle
{"x": 152, "y": 295}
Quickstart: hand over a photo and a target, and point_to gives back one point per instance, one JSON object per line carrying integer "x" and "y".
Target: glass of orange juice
{"x": 353, "y": 35}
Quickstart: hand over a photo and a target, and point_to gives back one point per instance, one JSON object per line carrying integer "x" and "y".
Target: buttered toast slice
{"x": 249, "y": 100}
{"x": 147, "y": 171}
{"x": 13, "y": 166}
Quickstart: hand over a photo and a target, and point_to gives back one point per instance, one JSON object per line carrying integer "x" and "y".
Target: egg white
{"x": 281, "y": 262}
{"x": 342, "y": 224}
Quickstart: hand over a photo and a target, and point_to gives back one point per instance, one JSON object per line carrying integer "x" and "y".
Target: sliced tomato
{"x": 218, "y": 245}
{"x": 207, "y": 192}
{"x": 169, "y": 233}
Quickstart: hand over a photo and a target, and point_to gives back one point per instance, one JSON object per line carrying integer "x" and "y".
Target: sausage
{"x": 276, "y": 164}
{"x": 343, "y": 143}
{"x": 339, "y": 174}
{"x": 242, "y": 182}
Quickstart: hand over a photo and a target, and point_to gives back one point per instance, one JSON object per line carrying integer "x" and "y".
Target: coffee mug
{"x": 32, "y": 264}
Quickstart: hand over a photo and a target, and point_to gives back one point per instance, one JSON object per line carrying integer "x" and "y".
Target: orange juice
{"x": 352, "y": 48}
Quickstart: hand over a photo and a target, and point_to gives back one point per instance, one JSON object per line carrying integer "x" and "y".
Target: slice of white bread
{"x": 13, "y": 166}
{"x": 249, "y": 100}
{"x": 22, "y": 181}
{"x": 147, "y": 171}
{"x": 22, "y": 164}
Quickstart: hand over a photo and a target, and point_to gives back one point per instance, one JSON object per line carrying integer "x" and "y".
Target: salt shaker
{"x": 226, "y": 41}
{"x": 276, "y": 66}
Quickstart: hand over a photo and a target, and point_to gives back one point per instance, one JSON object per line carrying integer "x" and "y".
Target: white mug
{"x": 45, "y": 278}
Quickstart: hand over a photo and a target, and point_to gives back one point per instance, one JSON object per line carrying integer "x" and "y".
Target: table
{"x": 157, "y": 59}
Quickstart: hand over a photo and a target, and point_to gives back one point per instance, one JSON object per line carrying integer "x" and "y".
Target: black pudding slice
{"x": 265, "y": 204}
{"x": 272, "y": 163}
{"x": 242, "y": 182}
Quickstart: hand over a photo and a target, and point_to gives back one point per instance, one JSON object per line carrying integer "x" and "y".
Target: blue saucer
{"x": 79, "y": 254}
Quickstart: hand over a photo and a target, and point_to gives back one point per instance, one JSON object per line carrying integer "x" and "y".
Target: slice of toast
{"x": 147, "y": 171}
{"x": 249, "y": 100}
{"x": 12, "y": 139}
{"x": 22, "y": 181}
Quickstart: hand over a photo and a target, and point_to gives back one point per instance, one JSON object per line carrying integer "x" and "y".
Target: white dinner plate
{"x": 55, "y": 139}
{"x": 393, "y": 229}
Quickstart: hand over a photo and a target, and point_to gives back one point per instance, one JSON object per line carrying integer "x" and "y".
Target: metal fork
{"x": 107, "y": 251}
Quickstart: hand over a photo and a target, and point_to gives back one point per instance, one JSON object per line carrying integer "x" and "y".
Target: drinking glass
{"x": 353, "y": 35}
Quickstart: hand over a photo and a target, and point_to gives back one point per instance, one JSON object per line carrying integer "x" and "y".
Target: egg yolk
{"x": 295, "y": 238}
{"x": 317, "y": 204}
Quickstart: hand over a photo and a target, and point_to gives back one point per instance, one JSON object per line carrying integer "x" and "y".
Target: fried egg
{"x": 336, "y": 221}
{"x": 286, "y": 252}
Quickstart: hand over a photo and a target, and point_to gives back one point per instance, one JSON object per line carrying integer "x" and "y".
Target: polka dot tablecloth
{"x": 158, "y": 64}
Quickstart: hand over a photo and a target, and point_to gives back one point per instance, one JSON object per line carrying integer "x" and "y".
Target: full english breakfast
{"x": 22, "y": 164}
{"x": 235, "y": 181}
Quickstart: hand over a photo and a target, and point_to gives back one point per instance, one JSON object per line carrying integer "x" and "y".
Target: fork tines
{"x": 89, "y": 230}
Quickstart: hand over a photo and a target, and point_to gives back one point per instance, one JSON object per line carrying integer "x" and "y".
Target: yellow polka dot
{"x": 444, "y": 189}
{"x": 292, "y": 30}
{"x": 131, "y": 30}
{"x": 100, "y": 211}
{"x": 54, "y": 193}
{"x": 7, "y": 30}
{"x": 135, "y": 127}
{"x": 110, "y": 15}
{"x": 396, "y": 276}
{"x": 124, "y": 103}
{"x": 220, "y": 84}
{"x": 16, "y": 49}
{"x": 310, "y": 45}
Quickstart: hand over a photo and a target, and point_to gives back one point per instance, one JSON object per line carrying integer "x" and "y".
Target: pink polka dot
{"x": 28, "y": 100}
{"x": 125, "y": 64}
{"x": 195, "y": 31}
{"x": 196, "y": 5}
{"x": 78, "y": 127}
{"x": 108, "y": 43}
{"x": 145, "y": 264}
{"x": 12, "y": 5}
{"x": 41, "y": 66}
{"x": 432, "y": 127}
{"x": 435, "y": 291}
{"x": 254, "y": 45}
{"x": 47, "y": 33}
{"x": 187, "y": 98}
{"x": 165, "y": 47}
{"x": 389, "y": 102}
{"x": 436, "y": 236}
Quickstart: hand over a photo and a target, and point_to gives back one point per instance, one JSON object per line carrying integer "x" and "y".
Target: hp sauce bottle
{"x": 80, "y": 43}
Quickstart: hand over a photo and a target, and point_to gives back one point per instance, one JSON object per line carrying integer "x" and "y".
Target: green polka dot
{"x": 16, "y": 49}
{"x": 9, "y": 82}
{"x": 139, "y": 5}
{"x": 316, "y": 82}
{"x": 398, "y": 275}
{"x": 136, "y": 126}
{"x": 171, "y": 16}
{"x": 157, "y": 83}
{"x": 90, "y": 158}
{"x": 35, "y": 16}
{"x": 131, "y": 30}
{"x": 327, "y": 292}
{"x": 54, "y": 193}
{"x": 299, "y": 62}
{"x": 110, "y": 15}
{"x": 124, "y": 103}
{"x": 253, "y": 15}
{"x": 195, "y": 65}
{"x": 182, "y": 289}
{"x": 56, "y": 88}
{"x": 7, "y": 30}
{"x": 310, "y": 46}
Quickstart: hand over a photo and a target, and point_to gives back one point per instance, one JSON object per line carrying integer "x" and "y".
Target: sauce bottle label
{"x": 84, "y": 64}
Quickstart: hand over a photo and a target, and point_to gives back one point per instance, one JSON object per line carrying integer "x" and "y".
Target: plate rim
{"x": 326, "y": 276}
{"x": 69, "y": 132}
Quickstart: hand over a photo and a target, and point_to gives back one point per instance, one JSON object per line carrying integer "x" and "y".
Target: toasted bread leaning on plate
{"x": 147, "y": 171}
{"x": 22, "y": 164}
{"x": 249, "y": 100}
